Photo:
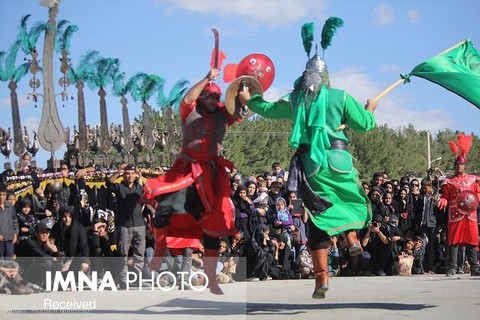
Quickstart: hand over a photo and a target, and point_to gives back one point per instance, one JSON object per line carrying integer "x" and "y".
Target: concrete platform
{"x": 414, "y": 297}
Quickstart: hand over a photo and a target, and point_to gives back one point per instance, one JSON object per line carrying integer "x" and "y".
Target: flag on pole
{"x": 457, "y": 70}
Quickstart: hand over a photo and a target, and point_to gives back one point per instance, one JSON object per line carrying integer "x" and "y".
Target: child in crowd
{"x": 418, "y": 255}
{"x": 283, "y": 222}
{"x": 26, "y": 219}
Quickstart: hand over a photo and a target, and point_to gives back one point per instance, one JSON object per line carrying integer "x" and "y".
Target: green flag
{"x": 457, "y": 70}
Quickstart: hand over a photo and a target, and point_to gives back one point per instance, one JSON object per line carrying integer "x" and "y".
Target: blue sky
{"x": 173, "y": 39}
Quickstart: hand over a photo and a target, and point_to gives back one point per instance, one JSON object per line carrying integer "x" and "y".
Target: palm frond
{"x": 21, "y": 71}
{"x": 11, "y": 59}
{"x": 133, "y": 83}
{"x": 35, "y": 33}
{"x": 62, "y": 41}
{"x": 150, "y": 85}
{"x": 119, "y": 85}
{"x": 3, "y": 73}
{"x": 177, "y": 93}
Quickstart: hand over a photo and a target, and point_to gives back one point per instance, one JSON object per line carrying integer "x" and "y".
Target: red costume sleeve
{"x": 185, "y": 109}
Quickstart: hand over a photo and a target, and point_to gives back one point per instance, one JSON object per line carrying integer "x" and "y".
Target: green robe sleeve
{"x": 357, "y": 118}
{"x": 272, "y": 110}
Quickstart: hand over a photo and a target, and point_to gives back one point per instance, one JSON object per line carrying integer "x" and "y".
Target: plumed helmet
{"x": 316, "y": 73}
{"x": 467, "y": 202}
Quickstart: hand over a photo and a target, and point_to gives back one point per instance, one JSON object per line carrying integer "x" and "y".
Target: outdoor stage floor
{"x": 413, "y": 297}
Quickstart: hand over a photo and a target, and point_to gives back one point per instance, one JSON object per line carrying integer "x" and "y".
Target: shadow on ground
{"x": 203, "y": 307}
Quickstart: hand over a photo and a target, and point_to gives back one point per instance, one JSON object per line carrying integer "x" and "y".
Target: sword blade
{"x": 217, "y": 48}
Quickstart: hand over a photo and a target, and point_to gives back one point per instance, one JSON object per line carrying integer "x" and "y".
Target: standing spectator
{"x": 462, "y": 218}
{"x": 8, "y": 225}
{"x": 426, "y": 223}
{"x": 129, "y": 215}
{"x": 406, "y": 213}
{"x": 246, "y": 219}
{"x": 277, "y": 171}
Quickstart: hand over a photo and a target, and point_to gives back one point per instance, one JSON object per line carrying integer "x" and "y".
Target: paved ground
{"x": 415, "y": 297}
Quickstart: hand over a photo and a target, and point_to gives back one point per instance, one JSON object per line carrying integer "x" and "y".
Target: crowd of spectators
{"x": 65, "y": 226}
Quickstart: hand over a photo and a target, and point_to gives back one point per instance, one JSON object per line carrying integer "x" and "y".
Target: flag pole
{"x": 399, "y": 81}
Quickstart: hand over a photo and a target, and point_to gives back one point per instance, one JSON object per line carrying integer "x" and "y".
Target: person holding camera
{"x": 375, "y": 241}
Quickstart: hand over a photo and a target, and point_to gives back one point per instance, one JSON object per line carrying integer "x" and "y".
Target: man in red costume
{"x": 193, "y": 198}
{"x": 458, "y": 193}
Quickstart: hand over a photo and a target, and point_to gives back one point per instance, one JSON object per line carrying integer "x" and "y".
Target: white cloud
{"x": 413, "y": 16}
{"x": 383, "y": 15}
{"x": 22, "y": 102}
{"x": 274, "y": 13}
{"x": 393, "y": 109}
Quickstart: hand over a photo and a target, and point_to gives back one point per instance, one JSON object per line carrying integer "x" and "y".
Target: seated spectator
{"x": 333, "y": 257}
{"x": 375, "y": 240}
{"x": 260, "y": 255}
{"x": 283, "y": 258}
{"x": 103, "y": 246}
{"x": 418, "y": 255}
{"x": 71, "y": 239}
{"x": 305, "y": 265}
{"x": 37, "y": 255}
{"x": 226, "y": 263}
{"x": 10, "y": 279}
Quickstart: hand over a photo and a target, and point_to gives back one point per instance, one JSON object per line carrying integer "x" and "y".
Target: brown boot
{"x": 320, "y": 267}
{"x": 354, "y": 246}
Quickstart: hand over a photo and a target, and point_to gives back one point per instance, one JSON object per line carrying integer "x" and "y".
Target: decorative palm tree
{"x": 120, "y": 89}
{"x": 103, "y": 72}
{"x": 169, "y": 106}
{"x": 79, "y": 76}
{"x": 65, "y": 30}
{"x": 11, "y": 73}
{"x": 143, "y": 87}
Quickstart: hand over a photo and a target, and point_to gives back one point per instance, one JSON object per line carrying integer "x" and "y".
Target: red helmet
{"x": 212, "y": 88}
{"x": 467, "y": 202}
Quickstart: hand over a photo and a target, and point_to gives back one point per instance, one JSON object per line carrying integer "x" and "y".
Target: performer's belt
{"x": 338, "y": 144}
{"x": 334, "y": 144}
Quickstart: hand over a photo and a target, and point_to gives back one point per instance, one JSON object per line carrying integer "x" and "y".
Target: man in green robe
{"x": 317, "y": 112}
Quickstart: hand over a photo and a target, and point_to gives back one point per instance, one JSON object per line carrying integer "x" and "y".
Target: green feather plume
{"x": 119, "y": 86}
{"x": 143, "y": 86}
{"x": 307, "y": 37}
{"x": 63, "y": 35}
{"x": 174, "y": 97}
{"x": 27, "y": 38}
{"x": 21, "y": 71}
{"x": 3, "y": 73}
{"x": 329, "y": 30}
{"x": 11, "y": 59}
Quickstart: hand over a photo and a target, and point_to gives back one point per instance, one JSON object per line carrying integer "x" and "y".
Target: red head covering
{"x": 212, "y": 88}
